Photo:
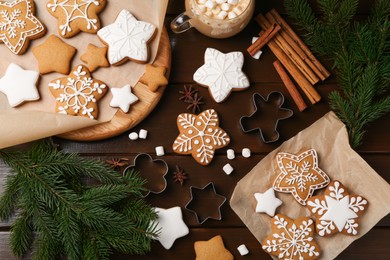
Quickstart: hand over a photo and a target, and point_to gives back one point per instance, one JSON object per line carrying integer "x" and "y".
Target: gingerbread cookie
{"x": 337, "y": 210}
{"x": 95, "y": 57}
{"x": 77, "y": 94}
{"x": 127, "y": 39}
{"x": 200, "y": 136}
{"x": 267, "y": 202}
{"x": 154, "y": 77}
{"x": 213, "y": 249}
{"x": 291, "y": 239}
{"x": 123, "y": 98}
{"x": 76, "y": 15}
{"x": 18, "y": 25}
{"x": 300, "y": 175}
{"x": 222, "y": 73}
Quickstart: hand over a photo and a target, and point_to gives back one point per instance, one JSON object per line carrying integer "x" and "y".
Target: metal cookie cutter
{"x": 266, "y": 116}
{"x": 205, "y": 203}
{"x": 154, "y": 171}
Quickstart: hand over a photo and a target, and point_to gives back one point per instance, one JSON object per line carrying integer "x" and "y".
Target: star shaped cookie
{"x": 171, "y": 225}
{"x": 213, "y": 249}
{"x": 154, "y": 77}
{"x": 18, "y": 25}
{"x": 267, "y": 202}
{"x": 337, "y": 210}
{"x": 123, "y": 98}
{"x": 54, "y": 55}
{"x": 200, "y": 136}
{"x": 76, "y": 15}
{"x": 19, "y": 85}
{"x": 222, "y": 73}
{"x": 127, "y": 38}
{"x": 95, "y": 57}
{"x": 78, "y": 93}
{"x": 300, "y": 175}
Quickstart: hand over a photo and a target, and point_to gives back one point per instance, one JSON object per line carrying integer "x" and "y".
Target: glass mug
{"x": 210, "y": 25}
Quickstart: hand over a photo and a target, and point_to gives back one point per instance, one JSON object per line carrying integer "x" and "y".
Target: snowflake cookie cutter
{"x": 202, "y": 208}
{"x": 266, "y": 116}
{"x": 153, "y": 170}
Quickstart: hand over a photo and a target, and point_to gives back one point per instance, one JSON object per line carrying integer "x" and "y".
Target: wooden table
{"x": 187, "y": 56}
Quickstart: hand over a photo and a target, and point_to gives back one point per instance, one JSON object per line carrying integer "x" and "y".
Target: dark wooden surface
{"x": 187, "y": 56}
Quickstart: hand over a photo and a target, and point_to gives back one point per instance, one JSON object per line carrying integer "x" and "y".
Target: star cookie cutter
{"x": 266, "y": 116}
{"x": 203, "y": 205}
{"x": 154, "y": 171}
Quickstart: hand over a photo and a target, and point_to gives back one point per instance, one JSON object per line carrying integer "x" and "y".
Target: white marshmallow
{"x": 232, "y": 2}
{"x": 222, "y": 15}
{"x": 243, "y": 250}
{"x": 216, "y": 10}
{"x": 143, "y": 134}
{"x": 133, "y": 136}
{"x": 160, "y": 151}
{"x": 202, "y": 8}
{"x": 210, "y": 4}
{"x": 238, "y": 10}
{"x": 232, "y": 15}
{"x": 225, "y": 6}
{"x": 230, "y": 154}
{"x": 246, "y": 153}
{"x": 202, "y": 2}
{"x": 221, "y": 1}
{"x": 228, "y": 169}
{"x": 209, "y": 14}
{"x": 258, "y": 54}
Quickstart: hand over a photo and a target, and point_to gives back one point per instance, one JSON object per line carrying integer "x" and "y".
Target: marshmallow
{"x": 143, "y": 134}
{"x": 210, "y": 4}
{"x": 222, "y": 15}
{"x": 246, "y": 153}
{"x": 232, "y": 15}
{"x": 160, "y": 151}
{"x": 216, "y": 10}
{"x": 202, "y": 2}
{"x": 228, "y": 169}
{"x": 221, "y": 1}
{"x": 230, "y": 154}
{"x": 232, "y": 2}
{"x": 238, "y": 10}
{"x": 202, "y": 8}
{"x": 243, "y": 250}
{"x": 133, "y": 136}
{"x": 225, "y": 6}
{"x": 258, "y": 54}
{"x": 209, "y": 14}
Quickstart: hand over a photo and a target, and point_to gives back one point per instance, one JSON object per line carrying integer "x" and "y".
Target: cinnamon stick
{"x": 320, "y": 70}
{"x": 265, "y": 37}
{"x": 296, "y": 96}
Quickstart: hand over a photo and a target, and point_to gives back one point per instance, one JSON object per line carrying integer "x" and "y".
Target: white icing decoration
{"x": 10, "y": 22}
{"x": 123, "y": 98}
{"x": 222, "y": 73}
{"x": 267, "y": 202}
{"x": 127, "y": 38}
{"x": 19, "y": 85}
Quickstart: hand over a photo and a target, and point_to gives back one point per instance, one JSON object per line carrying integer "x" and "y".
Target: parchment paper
{"x": 41, "y": 121}
{"x": 328, "y": 136}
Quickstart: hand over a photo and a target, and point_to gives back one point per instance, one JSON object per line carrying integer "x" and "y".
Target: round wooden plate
{"x": 148, "y": 100}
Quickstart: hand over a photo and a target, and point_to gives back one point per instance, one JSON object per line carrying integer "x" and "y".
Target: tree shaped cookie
{"x": 76, "y": 15}
{"x": 300, "y": 175}
{"x": 337, "y": 210}
{"x": 200, "y": 136}
{"x": 78, "y": 93}
{"x": 18, "y": 25}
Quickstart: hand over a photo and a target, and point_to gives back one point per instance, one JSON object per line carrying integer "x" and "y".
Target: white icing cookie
{"x": 127, "y": 38}
{"x": 267, "y": 202}
{"x": 171, "y": 225}
{"x": 222, "y": 73}
{"x": 123, "y": 98}
{"x": 19, "y": 85}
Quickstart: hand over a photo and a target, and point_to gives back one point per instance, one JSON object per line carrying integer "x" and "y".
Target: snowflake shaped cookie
{"x": 292, "y": 239}
{"x": 127, "y": 38}
{"x": 76, "y": 15}
{"x": 77, "y": 94}
{"x": 18, "y": 25}
{"x": 200, "y": 136}
{"x": 222, "y": 73}
{"x": 300, "y": 175}
{"x": 337, "y": 210}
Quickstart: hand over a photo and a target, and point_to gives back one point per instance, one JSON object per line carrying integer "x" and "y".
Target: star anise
{"x": 179, "y": 175}
{"x": 195, "y": 103}
{"x": 116, "y": 163}
{"x": 188, "y": 93}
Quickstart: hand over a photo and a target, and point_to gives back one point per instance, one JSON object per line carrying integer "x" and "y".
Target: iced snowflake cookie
{"x": 200, "y": 136}
{"x": 300, "y": 175}
{"x": 291, "y": 239}
{"x": 337, "y": 210}
{"x": 222, "y": 73}
{"x": 18, "y": 25}
{"x": 76, "y": 15}
{"x": 78, "y": 93}
{"x": 127, "y": 39}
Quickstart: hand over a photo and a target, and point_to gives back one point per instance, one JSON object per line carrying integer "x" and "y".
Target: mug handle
{"x": 181, "y": 23}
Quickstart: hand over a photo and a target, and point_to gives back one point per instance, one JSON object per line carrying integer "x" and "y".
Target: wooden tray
{"x": 122, "y": 122}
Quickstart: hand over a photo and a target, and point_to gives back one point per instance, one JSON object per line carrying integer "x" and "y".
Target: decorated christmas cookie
{"x": 95, "y": 57}
{"x": 77, "y": 94}
{"x": 337, "y": 210}
{"x": 222, "y": 73}
{"x": 123, "y": 98}
{"x": 18, "y": 25}
{"x": 300, "y": 175}
{"x": 127, "y": 39}
{"x": 200, "y": 136}
{"x": 76, "y": 15}
{"x": 19, "y": 85}
{"x": 267, "y": 202}
{"x": 291, "y": 239}
{"x": 154, "y": 77}
{"x": 213, "y": 249}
